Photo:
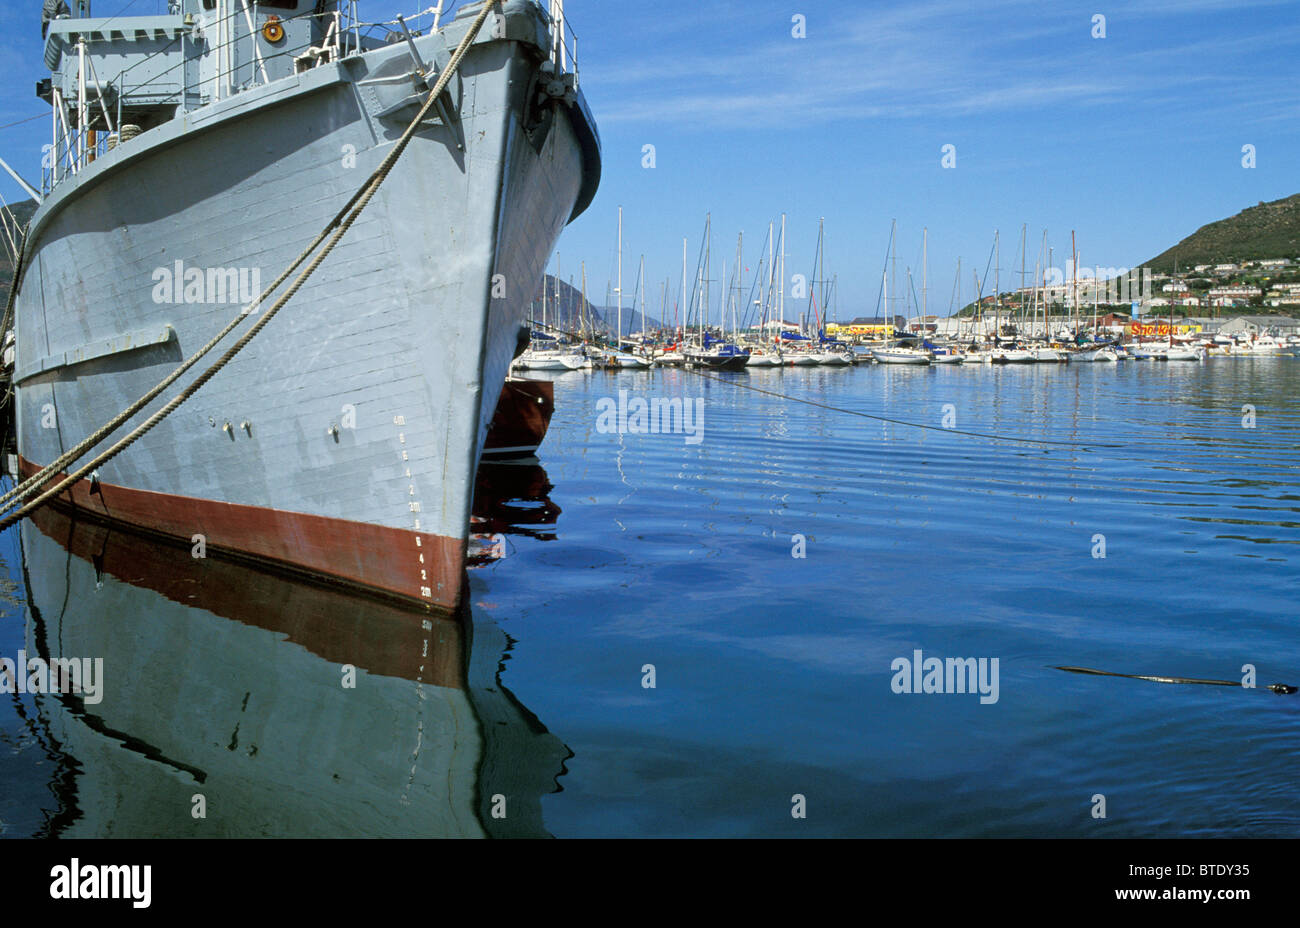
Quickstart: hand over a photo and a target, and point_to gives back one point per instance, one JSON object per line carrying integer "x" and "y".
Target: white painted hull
{"x": 900, "y": 356}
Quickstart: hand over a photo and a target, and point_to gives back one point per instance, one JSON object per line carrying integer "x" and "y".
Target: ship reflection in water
{"x": 226, "y": 693}
{"x": 510, "y": 498}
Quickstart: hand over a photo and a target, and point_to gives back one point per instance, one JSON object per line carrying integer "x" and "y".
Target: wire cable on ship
{"x": 19, "y": 122}
{"x": 340, "y": 223}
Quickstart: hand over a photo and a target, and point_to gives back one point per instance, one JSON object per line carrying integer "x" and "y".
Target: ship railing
{"x": 79, "y": 135}
{"x": 76, "y": 143}
{"x": 428, "y": 21}
{"x": 564, "y": 42}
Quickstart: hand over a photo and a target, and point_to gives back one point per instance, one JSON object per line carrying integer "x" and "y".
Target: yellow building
{"x": 1161, "y": 329}
{"x": 860, "y": 330}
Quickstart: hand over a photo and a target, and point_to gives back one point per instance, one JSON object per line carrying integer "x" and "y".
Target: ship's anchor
{"x": 424, "y": 79}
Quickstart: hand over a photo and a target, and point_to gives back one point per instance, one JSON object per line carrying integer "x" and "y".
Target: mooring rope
{"x": 353, "y": 209}
{"x": 915, "y": 425}
{"x": 1281, "y": 688}
{"x": 19, "y": 261}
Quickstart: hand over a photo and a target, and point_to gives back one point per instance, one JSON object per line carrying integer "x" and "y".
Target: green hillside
{"x": 1268, "y": 230}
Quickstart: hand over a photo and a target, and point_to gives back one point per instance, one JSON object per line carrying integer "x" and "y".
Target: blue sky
{"x": 1133, "y": 140}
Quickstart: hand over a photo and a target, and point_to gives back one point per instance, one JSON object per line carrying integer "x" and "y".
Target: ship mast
{"x": 997, "y": 288}
{"x": 771, "y": 273}
{"x": 735, "y": 296}
{"x": 780, "y": 293}
{"x": 821, "y": 274}
{"x": 1074, "y": 282}
{"x": 1024, "y": 228}
{"x": 683, "y": 284}
{"x": 618, "y": 335}
{"x": 586, "y": 316}
{"x": 1047, "y": 306}
{"x": 925, "y": 272}
{"x": 893, "y": 266}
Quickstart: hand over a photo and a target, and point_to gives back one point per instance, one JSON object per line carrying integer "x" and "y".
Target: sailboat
{"x": 938, "y": 355}
{"x": 1095, "y": 354}
{"x": 763, "y": 354}
{"x": 672, "y": 356}
{"x": 708, "y": 350}
{"x": 1172, "y": 352}
{"x": 897, "y": 353}
{"x": 618, "y": 359}
{"x": 545, "y": 352}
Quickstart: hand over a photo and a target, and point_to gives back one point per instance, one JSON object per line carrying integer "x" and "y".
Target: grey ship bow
{"x": 193, "y": 157}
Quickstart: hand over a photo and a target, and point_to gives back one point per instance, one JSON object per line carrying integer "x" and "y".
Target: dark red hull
{"x": 523, "y": 414}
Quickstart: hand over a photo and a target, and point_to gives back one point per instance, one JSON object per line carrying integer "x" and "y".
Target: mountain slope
{"x": 1268, "y": 230}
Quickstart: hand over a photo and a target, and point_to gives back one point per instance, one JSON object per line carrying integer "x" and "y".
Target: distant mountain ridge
{"x": 1267, "y": 230}
{"x": 564, "y": 312}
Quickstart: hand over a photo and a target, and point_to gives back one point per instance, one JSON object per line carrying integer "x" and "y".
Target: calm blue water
{"x": 773, "y": 672}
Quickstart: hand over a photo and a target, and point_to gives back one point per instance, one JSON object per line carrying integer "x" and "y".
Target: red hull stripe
{"x": 383, "y": 638}
{"x": 414, "y": 566}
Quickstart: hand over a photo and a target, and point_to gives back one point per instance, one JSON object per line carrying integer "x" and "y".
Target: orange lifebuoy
{"x": 272, "y": 31}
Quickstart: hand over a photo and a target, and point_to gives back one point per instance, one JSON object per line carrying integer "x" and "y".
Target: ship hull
{"x": 344, "y": 439}
{"x": 292, "y": 710}
{"x": 522, "y": 417}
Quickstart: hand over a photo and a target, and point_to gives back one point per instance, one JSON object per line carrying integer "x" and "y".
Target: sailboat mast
{"x": 618, "y": 336}
{"x": 925, "y": 272}
{"x": 1173, "y": 296}
{"x": 997, "y": 287}
{"x": 781, "y": 276}
{"x": 722, "y": 298}
{"x": 1046, "y": 271}
{"x": 585, "y": 315}
{"x": 683, "y": 286}
{"x": 958, "y": 297}
{"x": 1025, "y": 228}
{"x": 1074, "y": 281}
{"x": 893, "y": 265}
{"x": 884, "y": 289}
{"x": 708, "y": 281}
{"x": 771, "y": 273}
{"x": 821, "y": 275}
{"x": 1047, "y": 307}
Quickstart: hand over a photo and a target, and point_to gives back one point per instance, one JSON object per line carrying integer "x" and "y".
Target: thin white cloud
{"x": 932, "y": 60}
